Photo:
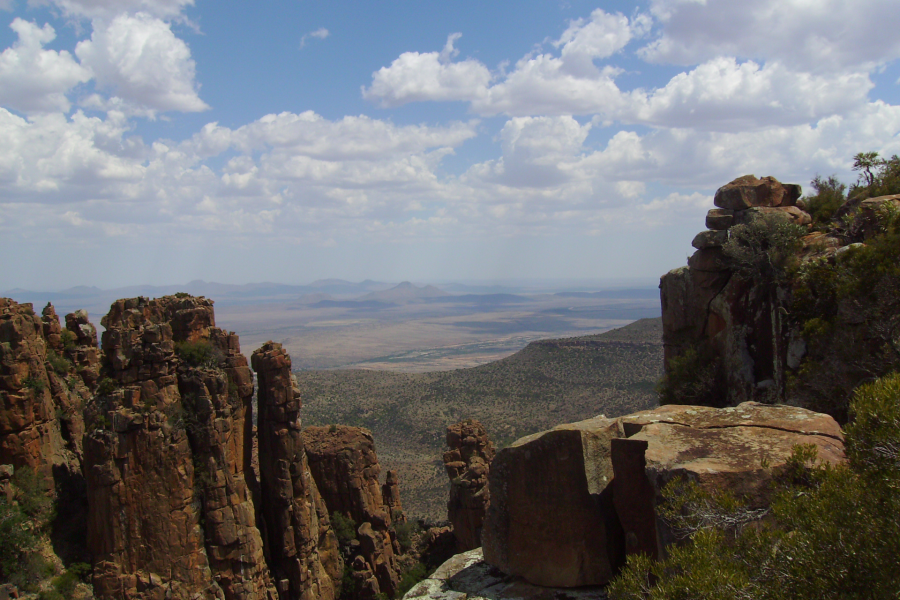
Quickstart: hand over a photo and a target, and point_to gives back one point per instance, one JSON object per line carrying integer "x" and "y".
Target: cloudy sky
{"x": 158, "y": 141}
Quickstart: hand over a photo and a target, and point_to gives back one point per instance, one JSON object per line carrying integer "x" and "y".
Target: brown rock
{"x": 390, "y": 493}
{"x": 302, "y": 548}
{"x": 748, "y": 191}
{"x": 738, "y": 449}
{"x": 708, "y": 259}
{"x": 168, "y": 453}
{"x": 550, "y": 519}
{"x": 568, "y": 503}
{"x": 719, "y": 219}
{"x": 791, "y": 213}
{"x": 709, "y": 239}
{"x": 468, "y": 464}
{"x": 345, "y": 467}
{"x": 41, "y": 425}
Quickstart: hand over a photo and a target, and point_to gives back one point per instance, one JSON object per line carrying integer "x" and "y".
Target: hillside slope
{"x": 546, "y": 383}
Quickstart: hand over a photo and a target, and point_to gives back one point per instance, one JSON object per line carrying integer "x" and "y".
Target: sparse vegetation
{"x": 68, "y": 339}
{"x": 833, "y": 532}
{"x": 200, "y": 353}
{"x": 830, "y": 195}
{"x": 344, "y": 528}
{"x": 35, "y": 384}
{"x": 58, "y": 363}
{"x": 547, "y": 383}
{"x": 690, "y": 379}
{"x": 23, "y": 525}
{"x": 764, "y": 249}
{"x": 106, "y": 386}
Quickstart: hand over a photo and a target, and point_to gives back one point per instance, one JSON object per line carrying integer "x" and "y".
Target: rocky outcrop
{"x": 468, "y": 463}
{"x": 737, "y": 326}
{"x": 167, "y": 455}
{"x": 301, "y": 546}
{"x": 345, "y": 467}
{"x": 390, "y": 493}
{"x": 467, "y": 576}
{"x": 41, "y": 393}
{"x": 568, "y": 504}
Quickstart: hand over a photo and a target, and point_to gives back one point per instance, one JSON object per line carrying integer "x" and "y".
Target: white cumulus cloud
{"x": 33, "y": 79}
{"x": 814, "y": 36}
{"x": 141, "y": 61}
{"x": 415, "y": 77}
{"x": 108, "y": 9}
{"x": 320, "y": 34}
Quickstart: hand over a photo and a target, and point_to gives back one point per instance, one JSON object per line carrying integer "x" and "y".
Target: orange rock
{"x": 468, "y": 463}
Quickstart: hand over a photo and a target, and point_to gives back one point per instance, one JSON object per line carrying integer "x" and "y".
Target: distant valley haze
{"x": 333, "y": 323}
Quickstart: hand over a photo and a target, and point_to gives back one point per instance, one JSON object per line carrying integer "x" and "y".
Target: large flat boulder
{"x": 568, "y": 504}
{"x": 549, "y": 520}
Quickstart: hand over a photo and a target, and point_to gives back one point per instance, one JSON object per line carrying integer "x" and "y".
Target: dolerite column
{"x": 301, "y": 546}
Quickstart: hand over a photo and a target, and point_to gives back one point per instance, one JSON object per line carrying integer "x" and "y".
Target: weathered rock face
{"x": 301, "y": 546}
{"x": 738, "y": 327}
{"x": 345, "y": 467}
{"x": 167, "y": 453}
{"x": 468, "y": 463}
{"x": 467, "y": 576}
{"x": 550, "y": 519}
{"x": 569, "y": 503}
{"x": 41, "y": 394}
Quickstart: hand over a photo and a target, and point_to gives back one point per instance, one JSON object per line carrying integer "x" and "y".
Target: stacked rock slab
{"x": 733, "y": 323}
{"x": 166, "y": 459}
{"x": 301, "y": 546}
{"x": 41, "y": 393}
{"x": 468, "y": 463}
{"x": 345, "y": 467}
{"x": 568, "y": 504}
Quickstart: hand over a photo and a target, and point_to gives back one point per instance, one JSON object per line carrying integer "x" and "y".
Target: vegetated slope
{"x": 547, "y": 383}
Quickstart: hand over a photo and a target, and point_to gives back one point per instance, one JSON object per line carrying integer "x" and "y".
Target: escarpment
{"x": 736, "y": 326}
{"x": 46, "y": 375}
{"x": 468, "y": 464}
{"x": 167, "y": 458}
{"x": 301, "y": 546}
{"x": 345, "y": 467}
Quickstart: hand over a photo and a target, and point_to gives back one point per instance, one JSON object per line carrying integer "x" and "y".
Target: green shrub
{"x": 198, "y": 353}
{"x": 58, "y": 363}
{"x": 19, "y": 539}
{"x": 406, "y": 532}
{"x": 832, "y": 532}
{"x": 344, "y": 528}
{"x": 106, "y": 386}
{"x": 689, "y": 379}
{"x": 417, "y": 573}
{"x": 68, "y": 339}
{"x": 830, "y": 195}
{"x": 35, "y": 384}
{"x": 763, "y": 249}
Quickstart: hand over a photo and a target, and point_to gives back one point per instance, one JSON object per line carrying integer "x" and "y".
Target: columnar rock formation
{"x": 301, "y": 546}
{"x": 167, "y": 458}
{"x": 736, "y": 325}
{"x": 468, "y": 463}
{"x": 41, "y": 393}
{"x": 568, "y": 504}
{"x": 346, "y": 470}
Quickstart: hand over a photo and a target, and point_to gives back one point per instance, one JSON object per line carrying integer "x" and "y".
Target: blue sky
{"x": 159, "y": 141}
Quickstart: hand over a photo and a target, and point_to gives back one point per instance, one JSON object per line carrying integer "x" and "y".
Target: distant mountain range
{"x": 322, "y": 293}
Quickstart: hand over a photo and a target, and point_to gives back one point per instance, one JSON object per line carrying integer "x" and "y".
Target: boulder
{"x": 748, "y": 191}
{"x": 719, "y": 219}
{"x": 709, "y": 239}
{"x": 468, "y": 464}
{"x": 568, "y": 504}
{"x": 550, "y": 520}
{"x": 467, "y": 576}
{"x": 790, "y": 213}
